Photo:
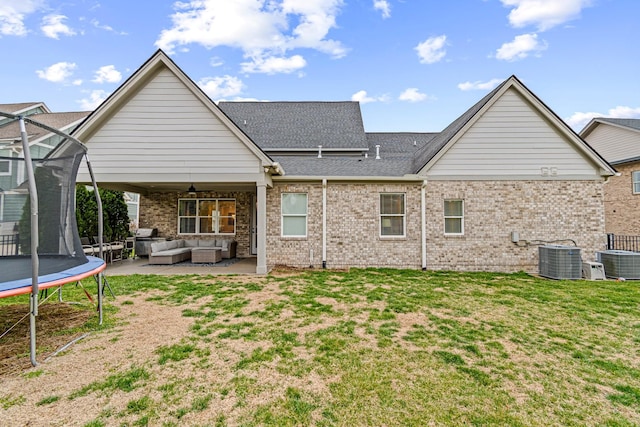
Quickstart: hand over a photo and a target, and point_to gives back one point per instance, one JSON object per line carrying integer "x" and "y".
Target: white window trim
{"x": 305, "y": 215}
{"x": 403, "y": 215}
{"x": 8, "y": 173}
{"x": 461, "y": 217}
{"x": 634, "y": 182}
{"x": 215, "y": 220}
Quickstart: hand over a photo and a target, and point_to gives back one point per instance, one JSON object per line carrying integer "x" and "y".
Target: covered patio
{"x": 141, "y": 265}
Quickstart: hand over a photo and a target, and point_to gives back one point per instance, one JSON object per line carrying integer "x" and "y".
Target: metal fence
{"x": 9, "y": 244}
{"x": 623, "y": 243}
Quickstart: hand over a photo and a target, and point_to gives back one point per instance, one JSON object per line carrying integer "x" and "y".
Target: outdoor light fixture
{"x": 192, "y": 190}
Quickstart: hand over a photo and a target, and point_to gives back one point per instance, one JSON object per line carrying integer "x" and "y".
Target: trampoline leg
{"x": 32, "y": 328}
{"x": 100, "y": 290}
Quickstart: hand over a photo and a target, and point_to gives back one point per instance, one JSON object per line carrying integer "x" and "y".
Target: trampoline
{"x": 39, "y": 244}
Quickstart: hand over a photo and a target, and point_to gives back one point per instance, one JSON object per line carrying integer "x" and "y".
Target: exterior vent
{"x": 621, "y": 264}
{"x": 560, "y": 262}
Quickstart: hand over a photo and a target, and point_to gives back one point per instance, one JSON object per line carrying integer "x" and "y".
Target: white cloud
{"x": 58, "y": 72}
{"x": 53, "y": 27}
{"x": 260, "y": 28}
{"x": 96, "y": 97}
{"x": 412, "y": 94}
{"x": 363, "y": 98}
{"x": 521, "y": 47}
{"x": 221, "y": 87}
{"x": 579, "y": 120}
{"x": 13, "y": 13}
{"x": 107, "y": 74}
{"x": 478, "y": 85}
{"x": 383, "y": 6}
{"x": 274, "y": 65}
{"x": 216, "y": 61}
{"x": 544, "y": 14}
{"x": 106, "y": 27}
{"x": 432, "y": 49}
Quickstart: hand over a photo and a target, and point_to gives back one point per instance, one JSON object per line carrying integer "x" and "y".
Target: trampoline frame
{"x": 93, "y": 267}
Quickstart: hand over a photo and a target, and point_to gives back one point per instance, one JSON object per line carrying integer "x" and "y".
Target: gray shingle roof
{"x": 299, "y": 125}
{"x": 54, "y": 120}
{"x": 327, "y": 166}
{"x": 630, "y": 123}
{"x": 19, "y": 106}
{"x": 396, "y": 158}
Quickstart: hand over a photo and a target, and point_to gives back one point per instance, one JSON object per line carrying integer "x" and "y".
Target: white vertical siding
{"x": 165, "y": 133}
{"x": 512, "y": 139}
{"x": 614, "y": 143}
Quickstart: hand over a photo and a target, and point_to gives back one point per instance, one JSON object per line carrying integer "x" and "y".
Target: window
{"x": 294, "y": 215}
{"x": 206, "y": 216}
{"x": 635, "y": 177}
{"x": 5, "y": 167}
{"x": 453, "y": 217}
{"x": 392, "y": 215}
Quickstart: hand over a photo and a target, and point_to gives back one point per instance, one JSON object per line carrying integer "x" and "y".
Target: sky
{"x": 414, "y": 65}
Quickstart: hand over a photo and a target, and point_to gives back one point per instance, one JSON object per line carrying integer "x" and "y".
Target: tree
{"x": 114, "y": 209}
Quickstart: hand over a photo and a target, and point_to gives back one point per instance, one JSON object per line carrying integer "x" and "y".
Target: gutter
{"x": 404, "y": 178}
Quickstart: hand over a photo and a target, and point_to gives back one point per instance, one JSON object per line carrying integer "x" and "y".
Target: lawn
{"x": 327, "y": 348}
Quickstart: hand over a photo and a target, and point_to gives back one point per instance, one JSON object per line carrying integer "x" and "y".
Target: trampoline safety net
{"x": 55, "y": 173}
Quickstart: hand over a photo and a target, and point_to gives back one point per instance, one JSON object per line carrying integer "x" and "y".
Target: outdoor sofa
{"x": 174, "y": 251}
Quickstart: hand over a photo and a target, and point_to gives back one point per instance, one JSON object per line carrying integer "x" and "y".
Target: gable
{"x": 512, "y": 139}
{"x": 614, "y": 143}
{"x": 166, "y": 132}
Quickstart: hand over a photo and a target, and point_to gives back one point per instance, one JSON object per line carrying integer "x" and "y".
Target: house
{"x": 303, "y": 184}
{"x": 41, "y": 141}
{"x": 618, "y": 141}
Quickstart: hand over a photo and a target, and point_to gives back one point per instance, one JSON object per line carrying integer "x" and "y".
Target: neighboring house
{"x": 41, "y": 141}
{"x": 618, "y": 141}
{"x": 302, "y": 184}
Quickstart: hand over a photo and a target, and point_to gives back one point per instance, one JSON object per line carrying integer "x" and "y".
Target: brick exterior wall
{"x": 160, "y": 210}
{"x": 540, "y": 211}
{"x": 352, "y": 227}
{"x": 622, "y": 207}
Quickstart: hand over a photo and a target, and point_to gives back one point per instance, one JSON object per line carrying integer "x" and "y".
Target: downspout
{"x": 423, "y": 225}
{"x": 324, "y": 223}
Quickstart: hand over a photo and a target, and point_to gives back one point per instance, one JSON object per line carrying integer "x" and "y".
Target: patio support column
{"x": 261, "y": 202}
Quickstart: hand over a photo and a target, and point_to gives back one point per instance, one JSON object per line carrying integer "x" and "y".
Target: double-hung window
{"x": 454, "y": 217}
{"x": 635, "y": 177}
{"x": 294, "y": 215}
{"x": 392, "y": 215}
{"x": 206, "y": 216}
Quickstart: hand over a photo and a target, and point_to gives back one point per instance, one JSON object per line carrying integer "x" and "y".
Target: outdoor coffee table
{"x": 206, "y": 255}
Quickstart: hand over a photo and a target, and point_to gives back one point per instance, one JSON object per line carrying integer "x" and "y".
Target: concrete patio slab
{"x": 141, "y": 266}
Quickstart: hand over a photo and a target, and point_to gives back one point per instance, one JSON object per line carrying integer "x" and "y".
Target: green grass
{"x": 385, "y": 347}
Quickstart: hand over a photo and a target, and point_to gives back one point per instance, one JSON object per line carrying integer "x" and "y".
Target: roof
{"x": 278, "y": 126}
{"x": 396, "y": 158}
{"x": 22, "y": 106}
{"x": 53, "y": 120}
{"x": 630, "y": 123}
